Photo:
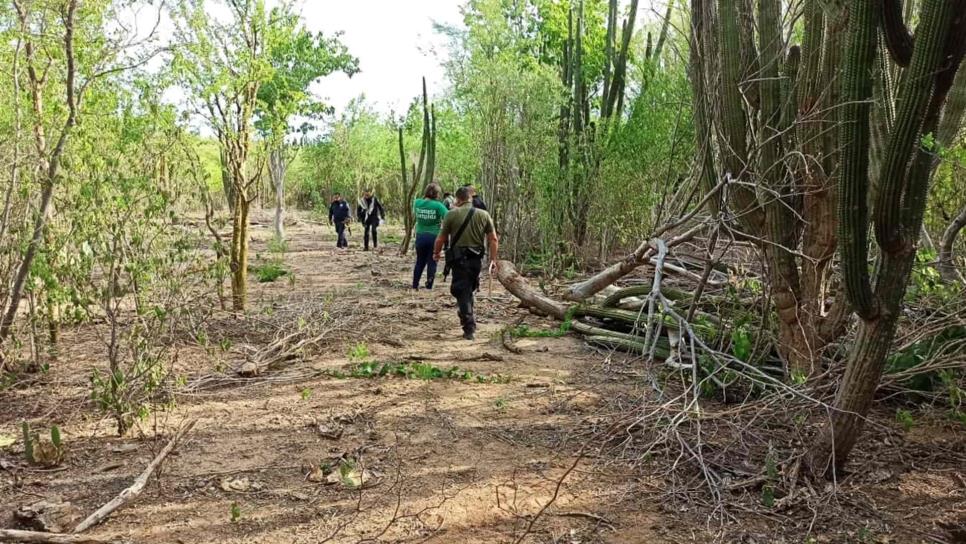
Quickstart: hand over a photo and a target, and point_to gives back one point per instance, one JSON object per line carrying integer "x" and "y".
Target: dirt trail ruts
{"x": 449, "y": 460}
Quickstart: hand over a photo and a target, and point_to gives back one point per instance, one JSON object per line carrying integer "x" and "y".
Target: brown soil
{"x": 448, "y": 460}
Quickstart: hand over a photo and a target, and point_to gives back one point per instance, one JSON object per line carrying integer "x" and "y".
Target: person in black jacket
{"x": 477, "y": 199}
{"x": 371, "y": 214}
{"x": 339, "y": 215}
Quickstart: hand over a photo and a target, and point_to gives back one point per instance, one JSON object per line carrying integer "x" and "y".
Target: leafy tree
{"x": 298, "y": 59}
{"x": 68, "y": 48}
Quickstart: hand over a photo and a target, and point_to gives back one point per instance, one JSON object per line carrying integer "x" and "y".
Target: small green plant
{"x": 415, "y": 371}
{"x": 926, "y": 281}
{"x": 359, "y": 352}
{"x": 306, "y": 393}
{"x": 904, "y": 418}
{"x": 799, "y": 377}
{"x": 771, "y": 476}
{"x": 47, "y": 453}
{"x": 347, "y": 469}
{"x": 523, "y": 331}
{"x": 28, "y": 443}
{"x": 741, "y": 342}
{"x": 235, "y": 512}
{"x": 278, "y": 246}
{"x": 268, "y": 272}
{"x": 501, "y": 404}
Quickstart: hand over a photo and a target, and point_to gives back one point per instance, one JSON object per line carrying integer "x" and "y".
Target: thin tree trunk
{"x": 239, "y": 254}
{"x": 17, "y": 126}
{"x": 50, "y": 163}
{"x": 946, "y": 265}
{"x": 277, "y": 168}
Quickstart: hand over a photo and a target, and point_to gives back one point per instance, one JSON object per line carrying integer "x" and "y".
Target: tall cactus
{"x": 697, "y": 70}
{"x": 424, "y": 172}
{"x": 935, "y": 58}
{"x": 734, "y": 119}
{"x": 914, "y": 101}
{"x": 854, "y": 134}
{"x": 773, "y": 191}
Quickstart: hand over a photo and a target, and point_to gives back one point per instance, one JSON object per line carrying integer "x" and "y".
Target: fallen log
{"x": 135, "y": 489}
{"x": 644, "y": 252}
{"x": 517, "y": 285}
{"x": 13, "y": 535}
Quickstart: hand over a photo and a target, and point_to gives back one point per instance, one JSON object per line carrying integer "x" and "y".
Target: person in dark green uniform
{"x": 429, "y": 213}
{"x": 470, "y": 233}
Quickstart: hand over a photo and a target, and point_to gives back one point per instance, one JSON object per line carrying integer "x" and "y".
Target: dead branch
{"x": 135, "y": 489}
{"x": 13, "y": 535}
{"x": 556, "y": 493}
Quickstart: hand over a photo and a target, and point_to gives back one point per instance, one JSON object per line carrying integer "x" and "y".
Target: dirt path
{"x": 443, "y": 460}
{"x": 449, "y": 460}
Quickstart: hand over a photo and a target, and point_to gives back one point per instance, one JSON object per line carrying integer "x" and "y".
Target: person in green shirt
{"x": 429, "y": 213}
{"x": 470, "y": 232}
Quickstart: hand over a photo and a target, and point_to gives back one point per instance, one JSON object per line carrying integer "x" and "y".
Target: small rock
{"x": 332, "y": 432}
{"x": 316, "y": 475}
{"x": 248, "y": 370}
{"x": 239, "y": 485}
{"x": 47, "y": 516}
{"x": 124, "y": 448}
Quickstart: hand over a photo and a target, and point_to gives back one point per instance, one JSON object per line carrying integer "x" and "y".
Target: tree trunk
{"x": 276, "y": 168}
{"x": 854, "y": 397}
{"x": 946, "y": 265}
{"x": 227, "y": 183}
{"x": 239, "y": 253}
{"x": 900, "y": 207}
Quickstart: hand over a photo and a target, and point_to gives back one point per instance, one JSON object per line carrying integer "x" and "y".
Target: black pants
{"x": 374, "y": 228}
{"x": 466, "y": 280}
{"x": 340, "y": 232}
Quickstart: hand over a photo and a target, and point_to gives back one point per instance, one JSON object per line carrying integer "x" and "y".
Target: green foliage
{"x": 926, "y": 282}
{"x": 955, "y": 394}
{"x": 524, "y": 331}
{"x": 741, "y": 343}
{"x": 416, "y": 371}
{"x": 904, "y": 418}
{"x": 297, "y": 58}
{"x": 234, "y": 512}
{"x": 909, "y": 358}
{"x": 359, "y": 352}
{"x": 267, "y": 272}
{"x": 129, "y": 393}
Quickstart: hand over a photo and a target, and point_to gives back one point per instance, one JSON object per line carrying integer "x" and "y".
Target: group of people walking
{"x": 457, "y": 224}
{"x": 369, "y": 212}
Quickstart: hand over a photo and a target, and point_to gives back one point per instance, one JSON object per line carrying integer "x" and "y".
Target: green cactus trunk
{"x": 935, "y": 59}
{"x": 424, "y": 171}
{"x": 734, "y": 120}
{"x": 700, "y": 103}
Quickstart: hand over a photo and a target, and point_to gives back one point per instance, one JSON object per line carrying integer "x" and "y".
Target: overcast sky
{"x": 394, "y": 41}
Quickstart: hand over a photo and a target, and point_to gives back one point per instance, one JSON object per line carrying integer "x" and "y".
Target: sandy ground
{"x": 447, "y": 460}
